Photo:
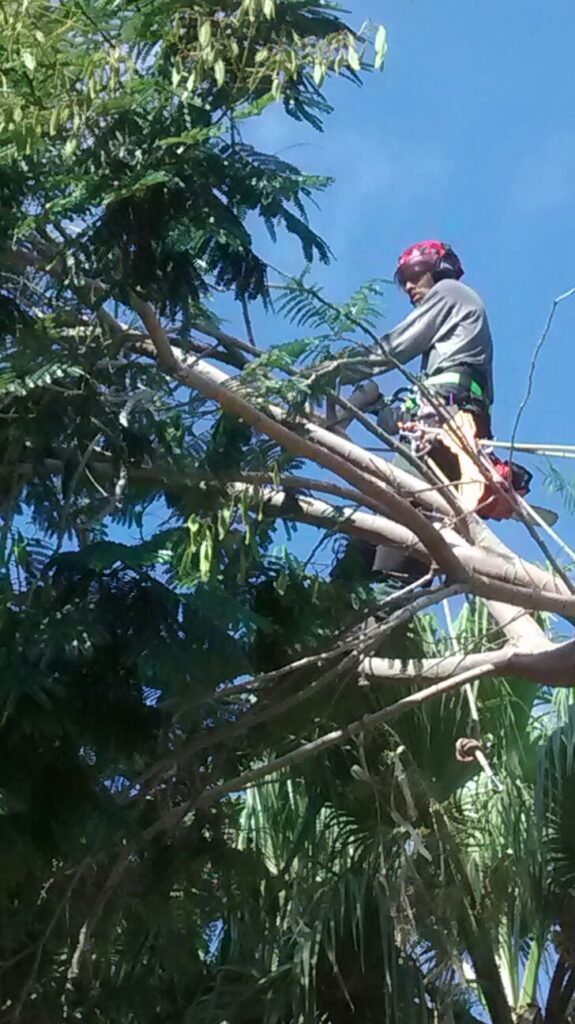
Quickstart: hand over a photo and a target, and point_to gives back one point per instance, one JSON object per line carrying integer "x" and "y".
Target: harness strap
{"x": 463, "y": 379}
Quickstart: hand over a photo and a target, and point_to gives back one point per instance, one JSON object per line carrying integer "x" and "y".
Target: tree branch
{"x": 207, "y": 381}
{"x": 554, "y": 665}
{"x": 160, "y": 339}
{"x": 365, "y": 724}
{"x": 335, "y": 446}
{"x": 493, "y": 570}
{"x": 519, "y": 629}
{"x": 349, "y": 639}
{"x": 256, "y": 715}
{"x": 486, "y": 574}
{"x": 228, "y": 341}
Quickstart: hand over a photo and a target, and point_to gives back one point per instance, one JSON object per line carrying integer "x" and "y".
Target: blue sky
{"x": 467, "y": 135}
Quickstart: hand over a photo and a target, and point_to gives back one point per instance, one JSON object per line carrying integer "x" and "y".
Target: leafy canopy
{"x": 125, "y": 175}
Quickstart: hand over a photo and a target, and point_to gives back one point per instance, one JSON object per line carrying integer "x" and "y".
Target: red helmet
{"x": 436, "y": 257}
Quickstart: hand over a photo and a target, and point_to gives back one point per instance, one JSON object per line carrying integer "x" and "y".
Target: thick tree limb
{"x": 492, "y": 570}
{"x": 207, "y": 381}
{"x": 519, "y": 629}
{"x": 404, "y": 483}
{"x": 378, "y": 467}
{"x": 356, "y": 457}
{"x": 491, "y": 562}
{"x": 163, "y": 476}
{"x": 201, "y": 376}
{"x": 487, "y": 575}
{"x": 554, "y": 666}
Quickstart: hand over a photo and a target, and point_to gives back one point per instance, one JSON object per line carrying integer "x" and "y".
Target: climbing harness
{"x": 457, "y": 449}
{"x": 483, "y": 481}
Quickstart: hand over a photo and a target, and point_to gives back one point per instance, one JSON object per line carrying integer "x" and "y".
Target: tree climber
{"x": 449, "y": 329}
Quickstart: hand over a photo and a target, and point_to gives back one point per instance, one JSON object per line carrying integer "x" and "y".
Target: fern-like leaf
{"x": 556, "y": 483}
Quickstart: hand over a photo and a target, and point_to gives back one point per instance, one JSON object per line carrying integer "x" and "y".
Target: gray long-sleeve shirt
{"x": 449, "y": 329}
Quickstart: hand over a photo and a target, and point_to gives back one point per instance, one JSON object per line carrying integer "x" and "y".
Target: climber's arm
{"x": 411, "y": 338}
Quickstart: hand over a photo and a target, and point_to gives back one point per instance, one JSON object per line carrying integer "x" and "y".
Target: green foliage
{"x": 391, "y": 860}
{"x": 306, "y": 306}
{"x": 557, "y": 483}
{"x": 126, "y": 124}
{"x": 299, "y": 371}
{"x": 137, "y": 589}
